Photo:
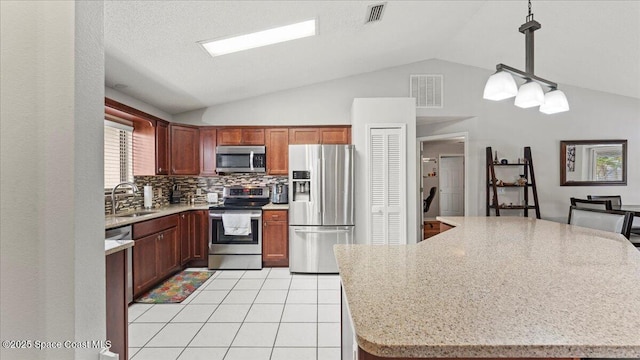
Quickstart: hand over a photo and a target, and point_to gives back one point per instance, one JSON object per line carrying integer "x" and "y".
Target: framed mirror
{"x": 593, "y": 162}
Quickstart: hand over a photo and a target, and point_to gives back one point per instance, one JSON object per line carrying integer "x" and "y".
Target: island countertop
{"x": 496, "y": 287}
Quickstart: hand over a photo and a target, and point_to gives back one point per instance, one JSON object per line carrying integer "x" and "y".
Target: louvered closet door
{"x": 387, "y": 179}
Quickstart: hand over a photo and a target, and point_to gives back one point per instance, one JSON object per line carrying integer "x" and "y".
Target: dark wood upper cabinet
{"x": 277, "y": 147}
{"x": 320, "y": 135}
{"x": 208, "y": 151}
{"x": 150, "y": 138}
{"x": 252, "y": 136}
{"x": 185, "y": 150}
{"x": 240, "y": 136}
{"x": 340, "y": 135}
{"x": 304, "y": 136}
{"x": 229, "y": 136}
{"x": 161, "y": 148}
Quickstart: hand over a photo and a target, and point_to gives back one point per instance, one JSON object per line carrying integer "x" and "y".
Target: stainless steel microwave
{"x": 241, "y": 159}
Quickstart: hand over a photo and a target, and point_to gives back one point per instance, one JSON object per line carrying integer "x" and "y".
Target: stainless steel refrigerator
{"x": 320, "y": 205}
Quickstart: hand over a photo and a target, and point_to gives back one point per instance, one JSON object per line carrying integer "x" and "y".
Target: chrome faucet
{"x": 114, "y": 206}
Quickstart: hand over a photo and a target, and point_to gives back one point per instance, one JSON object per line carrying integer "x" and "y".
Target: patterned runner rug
{"x": 176, "y": 288}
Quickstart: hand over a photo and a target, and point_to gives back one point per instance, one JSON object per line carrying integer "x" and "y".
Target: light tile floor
{"x": 236, "y": 315}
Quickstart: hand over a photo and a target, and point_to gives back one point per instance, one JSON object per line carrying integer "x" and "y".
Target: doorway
{"x": 443, "y": 182}
{"x": 451, "y": 185}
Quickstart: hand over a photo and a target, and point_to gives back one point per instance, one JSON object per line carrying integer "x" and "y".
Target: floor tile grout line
{"x": 281, "y": 316}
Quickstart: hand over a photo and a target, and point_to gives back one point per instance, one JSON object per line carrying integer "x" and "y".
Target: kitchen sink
{"x": 136, "y": 214}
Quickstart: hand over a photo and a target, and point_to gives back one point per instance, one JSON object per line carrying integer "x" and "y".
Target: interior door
{"x": 387, "y": 186}
{"x": 451, "y": 185}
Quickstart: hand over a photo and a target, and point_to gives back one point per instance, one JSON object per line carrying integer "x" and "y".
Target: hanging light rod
{"x": 501, "y": 85}
{"x": 526, "y": 76}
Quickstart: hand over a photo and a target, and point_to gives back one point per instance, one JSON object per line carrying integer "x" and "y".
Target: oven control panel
{"x": 245, "y": 192}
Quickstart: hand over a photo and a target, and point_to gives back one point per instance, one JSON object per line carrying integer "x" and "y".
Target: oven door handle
{"x": 219, "y": 216}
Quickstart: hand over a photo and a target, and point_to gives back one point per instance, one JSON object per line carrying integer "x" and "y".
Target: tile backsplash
{"x": 188, "y": 185}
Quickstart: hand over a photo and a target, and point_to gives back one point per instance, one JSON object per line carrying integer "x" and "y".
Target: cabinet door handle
{"x": 159, "y": 169}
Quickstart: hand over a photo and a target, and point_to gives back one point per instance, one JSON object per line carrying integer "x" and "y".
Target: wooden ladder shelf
{"x": 493, "y": 185}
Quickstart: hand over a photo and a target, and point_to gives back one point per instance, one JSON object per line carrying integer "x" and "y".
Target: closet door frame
{"x": 402, "y": 182}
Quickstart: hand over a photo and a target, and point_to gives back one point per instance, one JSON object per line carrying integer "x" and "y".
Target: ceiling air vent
{"x": 427, "y": 90}
{"x": 374, "y": 13}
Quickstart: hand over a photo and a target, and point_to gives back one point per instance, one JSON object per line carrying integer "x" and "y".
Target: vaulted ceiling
{"x": 152, "y": 54}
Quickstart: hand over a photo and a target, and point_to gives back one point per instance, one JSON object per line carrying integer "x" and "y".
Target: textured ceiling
{"x": 151, "y": 46}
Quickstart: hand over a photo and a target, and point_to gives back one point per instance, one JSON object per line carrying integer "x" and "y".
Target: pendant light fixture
{"x": 502, "y": 85}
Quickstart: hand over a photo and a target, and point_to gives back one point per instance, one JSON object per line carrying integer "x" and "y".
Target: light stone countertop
{"x": 113, "y": 246}
{"x": 496, "y": 287}
{"x": 112, "y": 221}
{"x": 272, "y": 206}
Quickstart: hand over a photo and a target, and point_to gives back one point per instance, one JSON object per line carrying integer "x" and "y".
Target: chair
{"x": 427, "y": 202}
{"x": 591, "y": 204}
{"x": 616, "y": 201}
{"x": 608, "y": 220}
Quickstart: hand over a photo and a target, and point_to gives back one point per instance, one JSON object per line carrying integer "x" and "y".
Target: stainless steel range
{"x": 235, "y": 231}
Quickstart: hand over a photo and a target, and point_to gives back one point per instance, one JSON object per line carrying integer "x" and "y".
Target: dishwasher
{"x": 124, "y": 233}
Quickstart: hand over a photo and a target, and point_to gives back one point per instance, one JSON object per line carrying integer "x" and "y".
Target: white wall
{"x": 507, "y": 129}
{"x": 52, "y": 226}
{"x": 593, "y": 115}
{"x": 384, "y": 111}
{"x": 118, "y": 96}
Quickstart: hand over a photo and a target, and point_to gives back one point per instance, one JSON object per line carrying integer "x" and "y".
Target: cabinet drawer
{"x": 148, "y": 227}
{"x": 275, "y": 215}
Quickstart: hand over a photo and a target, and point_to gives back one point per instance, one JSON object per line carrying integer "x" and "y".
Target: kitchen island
{"x": 492, "y": 287}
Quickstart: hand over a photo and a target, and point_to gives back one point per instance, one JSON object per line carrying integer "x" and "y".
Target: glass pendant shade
{"x": 500, "y": 86}
{"x": 529, "y": 95}
{"x": 554, "y": 102}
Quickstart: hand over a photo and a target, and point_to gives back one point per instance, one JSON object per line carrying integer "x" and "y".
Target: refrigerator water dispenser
{"x": 301, "y": 186}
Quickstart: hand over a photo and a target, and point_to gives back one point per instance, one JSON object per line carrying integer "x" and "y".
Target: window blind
{"x": 118, "y": 153}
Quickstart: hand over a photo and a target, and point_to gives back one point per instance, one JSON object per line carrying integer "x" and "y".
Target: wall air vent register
{"x": 374, "y": 13}
{"x": 427, "y": 90}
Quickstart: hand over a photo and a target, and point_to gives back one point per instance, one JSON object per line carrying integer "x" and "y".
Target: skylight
{"x": 260, "y": 38}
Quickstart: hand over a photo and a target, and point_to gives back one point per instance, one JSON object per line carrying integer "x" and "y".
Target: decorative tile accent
{"x": 188, "y": 185}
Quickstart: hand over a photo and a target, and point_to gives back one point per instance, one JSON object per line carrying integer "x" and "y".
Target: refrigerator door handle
{"x": 338, "y": 231}
{"x": 323, "y": 190}
{"x": 251, "y": 160}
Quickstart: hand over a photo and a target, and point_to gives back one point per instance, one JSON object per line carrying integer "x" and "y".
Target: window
{"x": 118, "y": 154}
{"x": 606, "y": 163}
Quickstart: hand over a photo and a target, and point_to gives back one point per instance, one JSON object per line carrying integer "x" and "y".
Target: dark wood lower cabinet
{"x": 145, "y": 268}
{"x": 194, "y": 238}
{"x": 156, "y": 253}
{"x": 275, "y": 238}
{"x": 117, "y": 314}
{"x": 200, "y": 239}
{"x": 167, "y": 245}
{"x": 186, "y": 233}
{"x": 168, "y": 252}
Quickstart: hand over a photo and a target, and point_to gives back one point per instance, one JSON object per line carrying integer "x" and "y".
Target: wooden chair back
{"x": 608, "y": 220}
{"x": 591, "y": 204}
{"x": 616, "y": 200}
